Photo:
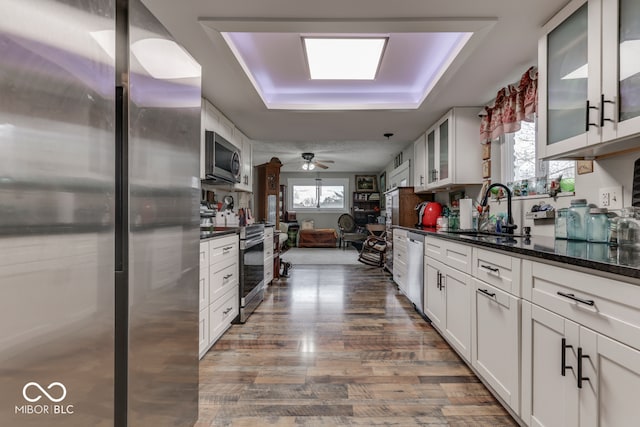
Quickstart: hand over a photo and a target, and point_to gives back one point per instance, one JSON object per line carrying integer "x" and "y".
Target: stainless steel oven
{"x": 251, "y": 270}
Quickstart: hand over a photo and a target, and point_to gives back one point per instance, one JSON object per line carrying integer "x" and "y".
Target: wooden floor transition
{"x": 339, "y": 346}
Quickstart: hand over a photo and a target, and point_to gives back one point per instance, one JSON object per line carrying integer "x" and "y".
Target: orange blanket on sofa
{"x": 317, "y": 238}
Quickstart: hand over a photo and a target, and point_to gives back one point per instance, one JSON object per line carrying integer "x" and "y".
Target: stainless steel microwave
{"x": 222, "y": 159}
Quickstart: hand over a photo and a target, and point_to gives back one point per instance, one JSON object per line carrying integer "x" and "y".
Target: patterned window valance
{"x": 513, "y": 103}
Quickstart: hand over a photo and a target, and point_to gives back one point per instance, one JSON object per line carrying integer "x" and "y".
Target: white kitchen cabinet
{"x": 451, "y": 143}
{"x": 419, "y": 164}
{"x": 400, "y": 259}
{"x": 400, "y": 176}
{"x": 455, "y": 255}
{"x": 203, "y": 331}
{"x": 203, "y": 285}
{"x": 435, "y": 303}
{"x": 448, "y": 304}
{"x": 218, "y": 289}
{"x": 497, "y": 269}
{"x": 246, "y": 157}
{"x": 217, "y": 122}
{"x": 549, "y": 353}
{"x": 268, "y": 255}
{"x": 610, "y": 373}
{"x": 610, "y": 397}
{"x": 495, "y": 340}
{"x": 588, "y": 77}
{"x": 221, "y": 313}
{"x": 600, "y": 319}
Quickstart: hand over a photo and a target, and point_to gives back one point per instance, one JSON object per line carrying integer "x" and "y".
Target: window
{"x": 318, "y": 194}
{"x": 519, "y": 150}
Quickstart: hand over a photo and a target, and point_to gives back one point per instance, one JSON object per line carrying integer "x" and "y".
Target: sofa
{"x": 310, "y": 237}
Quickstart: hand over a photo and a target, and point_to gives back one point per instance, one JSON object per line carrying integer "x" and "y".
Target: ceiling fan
{"x": 310, "y": 164}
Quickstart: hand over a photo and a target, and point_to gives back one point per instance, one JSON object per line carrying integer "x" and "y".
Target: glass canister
{"x": 561, "y": 223}
{"x": 629, "y": 229}
{"x": 598, "y": 225}
{"x": 577, "y": 220}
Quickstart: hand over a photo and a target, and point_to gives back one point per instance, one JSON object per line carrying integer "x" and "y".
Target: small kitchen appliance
{"x": 428, "y": 213}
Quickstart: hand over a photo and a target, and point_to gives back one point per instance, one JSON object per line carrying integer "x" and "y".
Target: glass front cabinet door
{"x": 589, "y": 76}
{"x": 620, "y": 68}
{"x": 569, "y": 80}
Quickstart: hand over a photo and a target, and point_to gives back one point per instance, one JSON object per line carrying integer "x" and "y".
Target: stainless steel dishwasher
{"x": 415, "y": 270}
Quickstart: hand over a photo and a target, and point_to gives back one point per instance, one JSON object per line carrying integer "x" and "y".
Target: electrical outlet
{"x": 610, "y": 197}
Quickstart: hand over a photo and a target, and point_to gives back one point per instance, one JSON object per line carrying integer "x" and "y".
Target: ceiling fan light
{"x": 305, "y": 166}
{"x": 311, "y": 166}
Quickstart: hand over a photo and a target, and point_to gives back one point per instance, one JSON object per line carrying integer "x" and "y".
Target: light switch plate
{"x": 610, "y": 197}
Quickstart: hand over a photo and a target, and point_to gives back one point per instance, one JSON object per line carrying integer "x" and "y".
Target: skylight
{"x": 343, "y": 58}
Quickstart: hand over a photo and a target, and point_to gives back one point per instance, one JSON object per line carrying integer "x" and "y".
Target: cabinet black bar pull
{"x": 580, "y": 377}
{"x": 587, "y": 124}
{"x": 438, "y": 280}
{"x": 602, "y": 102}
{"x": 488, "y": 267}
{"x": 486, "y": 292}
{"x": 575, "y": 298}
{"x": 564, "y": 348}
{"x": 227, "y": 276}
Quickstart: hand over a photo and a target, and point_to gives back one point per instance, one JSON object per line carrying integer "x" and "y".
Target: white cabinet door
{"x": 569, "y": 79}
{"x": 456, "y": 287}
{"x": 495, "y": 338}
{"x": 448, "y": 304}
{"x": 620, "y": 71}
{"x": 610, "y": 397}
{"x": 203, "y": 331}
{"x": 246, "y": 166}
{"x": 549, "y": 392}
{"x": 435, "y": 299}
{"x": 588, "y": 78}
{"x": 419, "y": 164}
{"x": 450, "y": 143}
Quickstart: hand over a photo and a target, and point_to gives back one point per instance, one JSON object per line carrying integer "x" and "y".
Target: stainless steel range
{"x": 251, "y": 270}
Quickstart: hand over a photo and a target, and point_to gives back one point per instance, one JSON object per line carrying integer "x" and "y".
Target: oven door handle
{"x": 248, "y": 244}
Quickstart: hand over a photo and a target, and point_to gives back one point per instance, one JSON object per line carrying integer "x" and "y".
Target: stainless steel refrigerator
{"x": 99, "y": 221}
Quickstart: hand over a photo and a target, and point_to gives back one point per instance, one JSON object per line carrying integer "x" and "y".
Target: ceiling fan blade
{"x": 320, "y": 165}
{"x": 325, "y": 161}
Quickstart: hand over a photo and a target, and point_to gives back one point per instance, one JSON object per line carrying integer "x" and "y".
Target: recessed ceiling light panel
{"x": 343, "y": 58}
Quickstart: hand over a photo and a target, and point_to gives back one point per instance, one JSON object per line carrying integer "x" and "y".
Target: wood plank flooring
{"x": 339, "y": 346}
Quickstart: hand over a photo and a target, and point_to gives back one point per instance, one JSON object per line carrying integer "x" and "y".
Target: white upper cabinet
{"x": 419, "y": 159}
{"x": 589, "y": 74}
{"x": 621, "y": 68}
{"x": 453, "y": 150}
{"x": 246, "y": 177}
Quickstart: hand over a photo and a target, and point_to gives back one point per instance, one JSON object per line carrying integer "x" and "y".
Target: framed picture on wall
{"x": 486, "y": 169}
{"x": 367, "y": 183}
{"x": 486, "y": 151}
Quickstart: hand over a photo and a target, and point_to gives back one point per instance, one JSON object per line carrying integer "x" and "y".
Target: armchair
{"x": 349, "y": 232}
{"x": 375, "y": 246}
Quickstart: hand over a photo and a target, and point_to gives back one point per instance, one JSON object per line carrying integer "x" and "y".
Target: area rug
{"x": 315, "y": 256}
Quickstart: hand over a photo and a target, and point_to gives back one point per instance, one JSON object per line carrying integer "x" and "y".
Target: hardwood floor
{"x": 339, "y": 346}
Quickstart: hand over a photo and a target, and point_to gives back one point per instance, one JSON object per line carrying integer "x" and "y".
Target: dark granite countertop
{"x": 596, "y": 256}
{"x": 217, "y": 232}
